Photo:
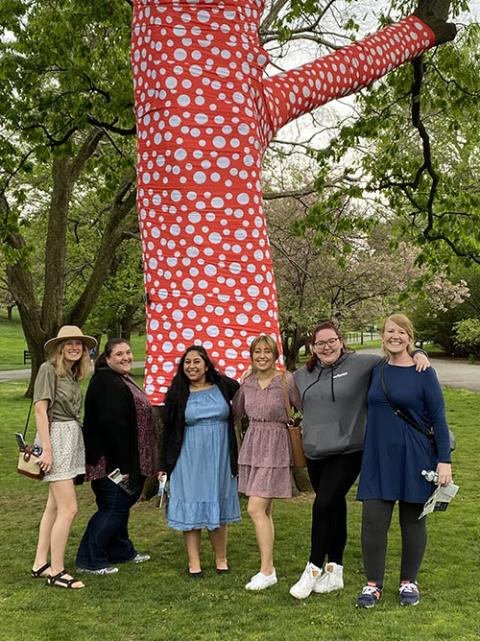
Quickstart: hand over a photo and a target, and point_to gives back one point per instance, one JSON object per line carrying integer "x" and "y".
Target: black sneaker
{"x": 409, "y": 594}
{"x": 371, "y": 595}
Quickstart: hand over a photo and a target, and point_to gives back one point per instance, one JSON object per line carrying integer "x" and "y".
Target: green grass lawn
{"x": 12, "y": 343}
{"x": 157, "y": 601}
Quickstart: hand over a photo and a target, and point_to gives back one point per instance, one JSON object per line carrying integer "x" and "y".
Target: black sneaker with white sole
{"x": 370, "y": 596}
{"x": 409, "y": 594}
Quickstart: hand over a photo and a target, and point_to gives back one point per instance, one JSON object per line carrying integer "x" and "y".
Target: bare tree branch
{"x": 296, "y": 193}
{"x": 453, "y": 81}
{"x": 15, "y": 172}
{"x": 54, "y": 142}
{"x": 272, "y": 15}
{"x": 112, "y": 127}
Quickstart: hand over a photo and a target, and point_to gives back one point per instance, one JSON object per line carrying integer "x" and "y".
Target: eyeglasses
{"x": 322, "y": 344}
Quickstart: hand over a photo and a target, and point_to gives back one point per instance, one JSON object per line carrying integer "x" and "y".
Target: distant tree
{"x": 351, "y": 268}
{"x": 436, "y": 323}
{"x": 120, "y": 305}
{"x": 467, "y": 336}
{"x": 6, "y": 298}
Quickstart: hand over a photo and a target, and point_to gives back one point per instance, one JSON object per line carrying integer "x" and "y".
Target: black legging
{"x": 376, "y": 519}
{"x": 331, "y": 478}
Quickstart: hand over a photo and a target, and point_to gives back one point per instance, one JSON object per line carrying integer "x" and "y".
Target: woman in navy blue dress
{"x": 199, "y": 453}
{"x": 394, "y": 455}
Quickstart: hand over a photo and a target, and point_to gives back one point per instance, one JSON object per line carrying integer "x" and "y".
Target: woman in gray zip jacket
{"x": 334, "y": 386}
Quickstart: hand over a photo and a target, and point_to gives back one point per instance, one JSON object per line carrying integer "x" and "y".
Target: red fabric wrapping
{"x": 205, "y": 115}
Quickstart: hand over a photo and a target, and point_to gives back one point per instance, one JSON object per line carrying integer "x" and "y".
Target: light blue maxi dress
{"x": 203, "y": 493}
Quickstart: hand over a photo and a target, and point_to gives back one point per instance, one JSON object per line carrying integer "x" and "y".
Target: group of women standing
{"x": 339, "y": 392}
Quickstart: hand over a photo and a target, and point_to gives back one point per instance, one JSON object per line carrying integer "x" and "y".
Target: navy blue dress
{"x": 394, "y": 452}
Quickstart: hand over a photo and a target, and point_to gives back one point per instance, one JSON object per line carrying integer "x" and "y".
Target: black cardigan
{"x": 110, "y": 423}
{"x": 174, "y": 429}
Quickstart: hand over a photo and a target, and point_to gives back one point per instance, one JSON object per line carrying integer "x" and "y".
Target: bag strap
{"x": 288, "y": 407}
{"x": 50, "y": 407}
{"x": 401, "y": 413}
{"x": 49, "y": 410}
{"x": 28, "y": 419}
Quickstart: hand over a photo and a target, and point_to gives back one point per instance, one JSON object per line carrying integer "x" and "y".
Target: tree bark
{"x": 292, "y": 341}
{"x": 20, "y": 285}
{"x": 113, "y": 235}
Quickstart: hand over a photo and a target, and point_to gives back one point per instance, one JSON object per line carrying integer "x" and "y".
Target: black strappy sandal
{"x": 39, "y": 574}
{"x": 223, "y": 570}
{"x": 58, "y": 581}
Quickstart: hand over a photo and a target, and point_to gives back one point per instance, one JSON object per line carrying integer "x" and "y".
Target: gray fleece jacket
{"x": 335, "y": 404}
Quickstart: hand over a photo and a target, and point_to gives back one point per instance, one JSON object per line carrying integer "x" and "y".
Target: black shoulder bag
{"x": 426, "y": 431}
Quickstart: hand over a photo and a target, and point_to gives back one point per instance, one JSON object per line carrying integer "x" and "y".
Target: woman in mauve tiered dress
{"x": 265, "y": 457}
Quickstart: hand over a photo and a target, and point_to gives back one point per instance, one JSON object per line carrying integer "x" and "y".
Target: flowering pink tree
{"x": 205, "y": 115}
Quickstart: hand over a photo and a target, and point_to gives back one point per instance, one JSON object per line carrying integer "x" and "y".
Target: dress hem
{"x": 200, "y": 526}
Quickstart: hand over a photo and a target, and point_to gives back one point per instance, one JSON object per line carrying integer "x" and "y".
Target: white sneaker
{"x": 306, "y": 584}
{"x": 141, "y": 558}
{"x": 261, "y": 581}
{"x": 100, "y": 571}
{"x": 331, "y": 579}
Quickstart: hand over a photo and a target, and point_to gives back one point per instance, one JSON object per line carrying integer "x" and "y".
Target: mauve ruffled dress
{"x": 265, "y": 458}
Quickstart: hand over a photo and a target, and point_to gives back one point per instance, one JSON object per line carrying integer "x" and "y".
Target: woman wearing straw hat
{"x": 58, "y": 402}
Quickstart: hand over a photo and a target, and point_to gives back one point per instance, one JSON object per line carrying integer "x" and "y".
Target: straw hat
{"x": 68, "y": 333}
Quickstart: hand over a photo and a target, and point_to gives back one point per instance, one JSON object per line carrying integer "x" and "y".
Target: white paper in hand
{"x": 440, "y": 499}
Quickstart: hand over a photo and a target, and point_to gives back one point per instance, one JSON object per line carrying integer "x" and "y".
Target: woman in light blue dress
{"x": 199, "y": 454}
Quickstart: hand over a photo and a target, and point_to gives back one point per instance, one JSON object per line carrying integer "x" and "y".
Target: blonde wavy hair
{"x": 80, "y": 368}
{"x": 406, "y": 324}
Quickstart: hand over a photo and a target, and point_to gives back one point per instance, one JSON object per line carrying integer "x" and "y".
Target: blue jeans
{"x": 106, "y": 539}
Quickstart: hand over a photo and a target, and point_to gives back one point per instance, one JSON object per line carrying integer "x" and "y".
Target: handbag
{"x": 29, "y": 455}
{"x": 294, "y": 431}
{"x": 426, "y": 431}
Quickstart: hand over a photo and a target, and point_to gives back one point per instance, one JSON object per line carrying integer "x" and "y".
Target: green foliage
{"x": 67, "y": 148}
{"x": 64, "y": 66}
{"x": 63, "y": 63}
{"x": 389, "y": 157}
{"x": 467, "y": 335}
{"x": 121, "y": 298}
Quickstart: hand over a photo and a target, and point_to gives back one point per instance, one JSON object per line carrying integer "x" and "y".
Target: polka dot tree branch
{"x": 205, "y": 115}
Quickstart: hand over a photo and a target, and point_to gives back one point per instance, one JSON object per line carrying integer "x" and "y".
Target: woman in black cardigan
{"x": 199, "y": 453}
{"x": 119, "y": 434}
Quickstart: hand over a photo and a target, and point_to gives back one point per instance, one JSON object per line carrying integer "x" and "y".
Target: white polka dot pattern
{"x": 345, "y": 71}
{"x": 204, "y": 118}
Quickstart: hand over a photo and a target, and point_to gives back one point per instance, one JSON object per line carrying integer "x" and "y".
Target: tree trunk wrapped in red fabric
{"x": 205, "y": 115}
